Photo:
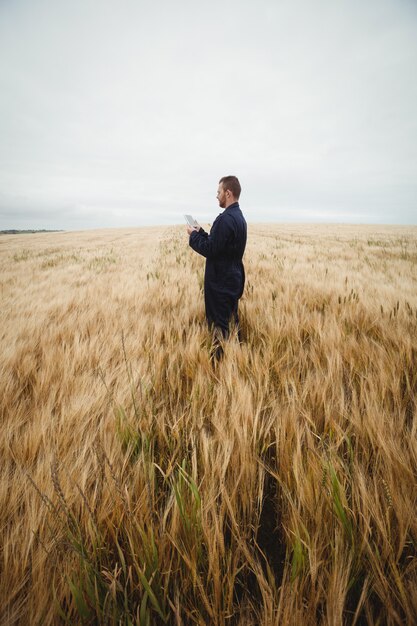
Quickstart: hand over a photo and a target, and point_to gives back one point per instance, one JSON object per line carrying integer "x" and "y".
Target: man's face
{"x": 221, "y": 196}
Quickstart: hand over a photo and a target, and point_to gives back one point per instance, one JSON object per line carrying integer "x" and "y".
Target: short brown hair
{"x": 232, "y": 184}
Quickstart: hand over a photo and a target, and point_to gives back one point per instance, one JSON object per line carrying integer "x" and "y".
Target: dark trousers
{"x": 221, "y": 312}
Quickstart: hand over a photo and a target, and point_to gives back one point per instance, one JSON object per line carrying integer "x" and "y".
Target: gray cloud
{"x": 122, "y": 115}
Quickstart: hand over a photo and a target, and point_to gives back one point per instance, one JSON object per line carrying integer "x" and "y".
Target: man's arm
{"x": 210, "y": 246}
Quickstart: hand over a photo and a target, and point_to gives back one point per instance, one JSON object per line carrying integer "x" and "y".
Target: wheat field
{"x": 141, "y": 483}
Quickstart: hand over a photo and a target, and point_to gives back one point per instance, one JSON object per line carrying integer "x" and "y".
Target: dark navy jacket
{"x": 223, "y": 248}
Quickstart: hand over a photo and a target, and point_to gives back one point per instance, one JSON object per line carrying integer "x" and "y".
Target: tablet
{"x": 190, "y": 220}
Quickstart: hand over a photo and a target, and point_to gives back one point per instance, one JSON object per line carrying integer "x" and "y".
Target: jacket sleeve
{"x": 211, "y": 246}
{"x": 202, "y": 233}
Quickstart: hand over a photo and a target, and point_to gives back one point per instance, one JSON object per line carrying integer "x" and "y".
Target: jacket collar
{"x": 235, "y": 205}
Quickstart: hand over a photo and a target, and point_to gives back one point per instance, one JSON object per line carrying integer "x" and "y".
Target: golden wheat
{"x": 140, "y": 484}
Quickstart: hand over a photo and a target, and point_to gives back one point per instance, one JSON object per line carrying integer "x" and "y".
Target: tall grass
{"x": 143, "y": 484}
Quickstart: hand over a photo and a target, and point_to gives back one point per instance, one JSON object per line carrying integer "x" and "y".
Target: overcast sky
{"x": 127, "y": 113}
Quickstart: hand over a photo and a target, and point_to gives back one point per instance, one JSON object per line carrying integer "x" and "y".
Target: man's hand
{"x": 191, "y": 229}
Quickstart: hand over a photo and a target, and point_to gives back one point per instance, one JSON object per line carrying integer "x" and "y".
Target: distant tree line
{"x": 23, "y": 232}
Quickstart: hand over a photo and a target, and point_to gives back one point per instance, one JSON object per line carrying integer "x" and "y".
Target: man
{"x": 223, "y": 248}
